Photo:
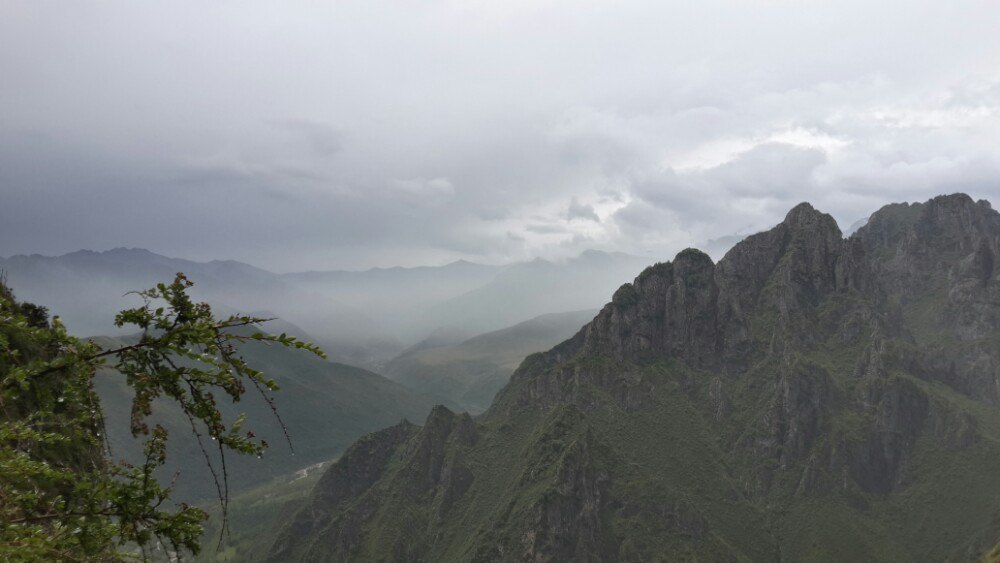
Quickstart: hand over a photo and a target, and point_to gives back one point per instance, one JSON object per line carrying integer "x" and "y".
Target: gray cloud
{"x": 546, "y": 229}
{"x": 379, "y": 133}
{"x": 321, "y": 138}
{"x": 579, "y": 210}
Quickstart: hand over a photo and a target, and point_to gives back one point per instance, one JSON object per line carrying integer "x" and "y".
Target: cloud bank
{"x": 348, "y": 135}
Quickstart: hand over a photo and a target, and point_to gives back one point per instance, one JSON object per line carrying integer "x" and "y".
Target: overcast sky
{"x": 315, "y": 135}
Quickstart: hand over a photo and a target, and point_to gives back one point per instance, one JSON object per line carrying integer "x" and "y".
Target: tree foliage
{"x": 62, "y": 496}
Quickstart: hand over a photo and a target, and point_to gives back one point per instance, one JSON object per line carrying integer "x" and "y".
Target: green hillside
{"x": 470, "y": 373}
{"x": 256, "y": 515}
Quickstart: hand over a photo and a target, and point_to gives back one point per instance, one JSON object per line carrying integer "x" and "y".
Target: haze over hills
{"x": 524, "y": 291}
{"x": 86, "y": 289}
{"x": 398, "y": 296}
{"x": 470, "y": 372}
{"x": 361, "y": 318}
{"x": 808, "y": 397}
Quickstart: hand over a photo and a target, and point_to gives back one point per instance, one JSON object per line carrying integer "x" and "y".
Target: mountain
{"x": 526, "y": 290}
{"x": 360, "y": 318}
{"x": 398, "y": 297}
{"x": 808, "y": 397}
{"x": 324, "y": 405}
{"x": 469, "y": 373}
{"x": 853, "y": 227}
{"x": 86, "y": 289}
{"x": 468, "y": 298}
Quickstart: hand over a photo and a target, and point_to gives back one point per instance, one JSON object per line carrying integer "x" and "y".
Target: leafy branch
{"x": 59, "y": 491}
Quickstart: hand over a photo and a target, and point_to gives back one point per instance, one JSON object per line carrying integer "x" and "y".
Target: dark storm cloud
{"x": 302, "y": 136}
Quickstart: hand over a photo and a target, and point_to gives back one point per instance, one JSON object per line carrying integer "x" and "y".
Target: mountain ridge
{"x": 807, "y": 388}
{"x": 362, "y": 318}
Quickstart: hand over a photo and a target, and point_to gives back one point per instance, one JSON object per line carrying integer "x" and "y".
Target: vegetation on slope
{"x": 324, "y": 406}
{"x": 256, "y": 515}
{"x": 62, "y": 497}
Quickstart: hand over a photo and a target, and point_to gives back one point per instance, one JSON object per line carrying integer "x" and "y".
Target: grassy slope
{"x": 255, "y": 515}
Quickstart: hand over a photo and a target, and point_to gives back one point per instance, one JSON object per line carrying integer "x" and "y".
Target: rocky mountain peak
{"x": 804, "y": 218}
{"x": 955, "y": 223}
{"x": 669, "y": 309}
{"x": 946, "y": 223}
{"x": 694, "y": 309}
{"x": 949, "y": 241}
{"x": 692, "y": 260}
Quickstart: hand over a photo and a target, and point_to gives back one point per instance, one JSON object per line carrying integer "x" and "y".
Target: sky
{"x": 351, "y": 134}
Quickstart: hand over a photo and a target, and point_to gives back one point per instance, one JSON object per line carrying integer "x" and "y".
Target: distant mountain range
{"x": 809, "y": 397}
{"x": 399, "y": 297}
{"x": 523, "y": 291}
{"x": 86, "y": 289}
{"x": 474, "y": 298}
{"x": 361, "y": 318}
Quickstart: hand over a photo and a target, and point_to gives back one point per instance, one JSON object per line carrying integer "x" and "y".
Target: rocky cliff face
{"x": 805, "y": 388}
